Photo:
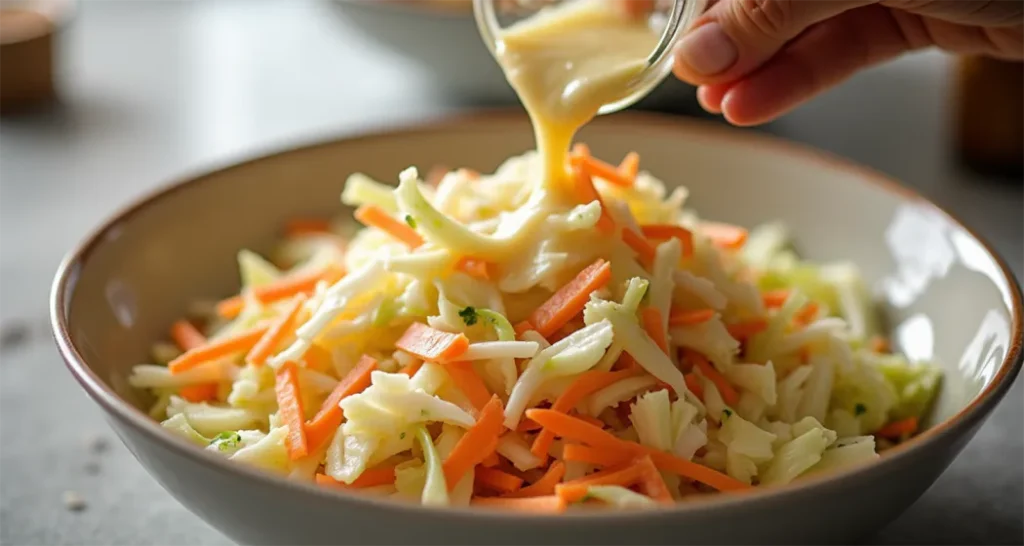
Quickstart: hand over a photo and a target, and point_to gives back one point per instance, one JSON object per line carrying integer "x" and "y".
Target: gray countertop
{"x": 157, "y": 89}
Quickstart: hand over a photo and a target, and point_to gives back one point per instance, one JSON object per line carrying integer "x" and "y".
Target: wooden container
{"x": 990, "y": 115}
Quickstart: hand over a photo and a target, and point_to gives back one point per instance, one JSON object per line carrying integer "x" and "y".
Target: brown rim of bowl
{"x": 967, "y": 417}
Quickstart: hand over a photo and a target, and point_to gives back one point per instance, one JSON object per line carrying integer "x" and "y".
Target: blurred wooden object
{"x": 26, "y": 59}
{"x": 990, "y": 115}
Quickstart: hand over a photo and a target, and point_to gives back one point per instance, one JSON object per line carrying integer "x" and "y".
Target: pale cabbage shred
{"x": 795, "y": 415}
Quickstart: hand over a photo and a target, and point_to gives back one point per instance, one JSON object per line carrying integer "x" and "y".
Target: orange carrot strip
{"x": 289, "y": 409}
{"x": 545, "y": 485}
{"x": 328, "y": 419}
{"x": 201, "y": 392}
{"x": 217, "y": 349}
{"x": 371, "y": 477}
{"x": 479, "y": 441}
{"x": 583, "y": 185}
{"x": 650, "y": 317}
{"x": 773, "y": 299}
{"x": 432, "y": 345}
{"x": 570, "y": 299}
{"x": 645, "y": 251}
{"x": 571, "y": 428}
{"x": 531, "y": 505}
{"x": 729, "y": 394}
{"x": 629, "y": 167}
{"x": 624, "y": 475}
{"x": 469, "y": 382}
{"x": 807, "y": 315}
{"x": 586, "y": 384}
{"x": 498, "y": 481}
{"x": 186, "y": 336}
{"x": 412, "y": 368}
{"x": 276, "y": 333}
{"x": 594, "y": 456}
{"x": 280, "y": 289}
{"x": 879, "y": 344}
{"x": 372, "y": 215}
{"x": 693, "y": 383}
{"x": 473, "y": 267}
{"x": 582, "y": 160}
{"x": 661, "y": 232}
{"x": 898, "y": 429}
{"x": 523, "y": 326}
{"x": 306, "y": 226}
{"x": 682, "y": 317}
{"x": 491, "y": 460}
{"x": 743, "y": 330}
{"x": 724, "y": 235}
{"x": 651, "y": 481}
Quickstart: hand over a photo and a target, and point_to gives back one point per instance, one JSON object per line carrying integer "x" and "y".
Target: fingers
{"x": 735, "y": 37}
{"x": 825, "y": 55}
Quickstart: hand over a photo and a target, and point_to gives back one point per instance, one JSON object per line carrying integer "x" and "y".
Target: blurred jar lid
{"x": 27, "y": 48}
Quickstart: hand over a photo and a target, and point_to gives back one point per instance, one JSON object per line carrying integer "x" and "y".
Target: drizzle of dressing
{"x": 566, "y": 62}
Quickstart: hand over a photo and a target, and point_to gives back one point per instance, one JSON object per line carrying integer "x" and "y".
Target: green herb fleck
{"x": 860, "y": 409}
{"x": 226, "y": 440}
{"x": 410, "y": 220}
{"x": 727, "y": 413}
{"x": 401, "y": 436}
{"x": 468, "y": 315}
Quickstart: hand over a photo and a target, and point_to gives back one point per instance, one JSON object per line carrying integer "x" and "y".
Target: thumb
{"x": 735, "y": 37}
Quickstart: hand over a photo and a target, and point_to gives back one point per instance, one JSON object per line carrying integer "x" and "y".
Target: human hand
{"x": 754, "y": 60}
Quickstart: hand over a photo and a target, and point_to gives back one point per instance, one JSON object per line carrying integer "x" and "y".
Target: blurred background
{"x": 101, "y": 101}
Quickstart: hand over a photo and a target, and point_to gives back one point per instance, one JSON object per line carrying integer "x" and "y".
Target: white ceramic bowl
{"x": 949, "y": 297}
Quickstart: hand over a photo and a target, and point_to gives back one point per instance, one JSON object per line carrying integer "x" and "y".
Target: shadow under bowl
{"x": 948, "y": 297}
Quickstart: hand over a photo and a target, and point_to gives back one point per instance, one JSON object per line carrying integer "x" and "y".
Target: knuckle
{"x": 770, "y": 18}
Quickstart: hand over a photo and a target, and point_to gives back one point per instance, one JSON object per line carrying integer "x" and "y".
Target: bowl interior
{"x": 946, "y": 297}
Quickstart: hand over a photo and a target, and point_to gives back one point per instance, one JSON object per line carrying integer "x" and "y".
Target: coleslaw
{"x": 483, "y": 342}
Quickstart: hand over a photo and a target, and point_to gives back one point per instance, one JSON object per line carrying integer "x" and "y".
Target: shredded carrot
{"x": 318, "y": 359}
{"x": 306, "y": 226}
{"x": 745, "y": 329}
{"x": 217, "y": 349}
{"x": 630, "y": 166}
{"x": 879, "y": 344}
{"x": 201, "y": 392}
{"x": 371, "y": 477}
{"x": 625, "y": 475}
{"x": 586, "y": 193}
{"x": 492, "y": 460}
{"x": 498, "y": 481}
{"x": 650, "y": 317}
{"x": 807, "y": 315}
{"x": 661, "y": 232}
{"x": 545, "y": 485}
{"x": 278, "y": 331}
{"x": 724, "y": 235}
{"x": 469, "y": 382}
{"x": 474, "y": 268}
{"x": 651, "y": 482}
{"x": 729, "y": 394}
{"x": 587, "y": 383}
{"x": 411, "y": 368}
{"x": 532, "y": 505}
{"x": 326, "y": 422}
{"x": 186, "y": 336}
{"x": 899, "y": 429}
{"x": 476, "y": 444}
{"x": 573, "y": 429}
{"x": 645, "y": 251}
{"x": 594, "y": 456}
{"x": 527, "y": 425}
{"x": 522, "y": 327}
{"x": 773, "y": 299}
{"x": 582, "y": 160}
{"x": 431, "y": 345}
{"x": 290, "y": 411}
{"x": 374, "y": 216}
{"x": 682, "y": 317}
{"x": 693, "y": 383}
{"x": 570, "y": 299}
{"x": 280, "y": 289}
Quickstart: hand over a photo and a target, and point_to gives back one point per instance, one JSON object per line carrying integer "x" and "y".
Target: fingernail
{"x": 708, "y": 50}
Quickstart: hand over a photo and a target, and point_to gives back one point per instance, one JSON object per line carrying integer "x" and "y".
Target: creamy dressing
{"x": 565, "y": 63}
